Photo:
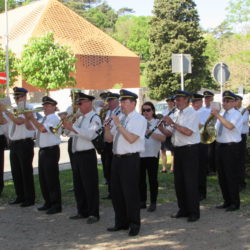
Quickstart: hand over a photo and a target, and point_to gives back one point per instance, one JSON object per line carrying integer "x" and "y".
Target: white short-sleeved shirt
{"x": 152, "y": 146}
{"x": 227, "y": 135}
{"x": 20, "y": 131}
{"x": 171, "y": 111}
{"x": 190, "y": 119}
{"x": 135, "y": 124}
{"x": 203, "y": 114}
{"x": 49, "y": 139}
{"x": 245, "y": 119}
{"x": 87, "y": 131}
{"x": 110, "y": 113}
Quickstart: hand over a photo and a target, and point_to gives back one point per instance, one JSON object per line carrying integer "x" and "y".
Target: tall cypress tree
{"x": 175, "y": 29}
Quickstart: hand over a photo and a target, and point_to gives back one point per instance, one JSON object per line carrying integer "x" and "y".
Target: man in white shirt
{"x": 229, "y": 127}
{"x": 128, "y": 136}
{"x": 21, "y": 152}
{"x": 49, "y": 154}
{"x": 208, "y": 99}
{"x": 184, "y": 128}
{"x": 243, "y": 144}
{"x": 197, "y": 100}
{"x": 113, "y": 109}
{"x": 85, "y": 173}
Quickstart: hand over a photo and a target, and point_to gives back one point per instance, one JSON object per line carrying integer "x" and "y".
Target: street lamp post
{"x": 7, "y": 47}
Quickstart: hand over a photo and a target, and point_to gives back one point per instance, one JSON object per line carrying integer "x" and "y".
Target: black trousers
{"x": 21, "y": 158}
{"x": 2, "y": 147}
{"x": 228, "y": 172}
{"x": 242, "y": 160}
{"x": 107, "y": 162}
{"x": 186, "y": 171}
{"x": 85, "y": 175}
{"x": 149, "y": 165}
{"x": 49, "y": 175}
{"x": 70, "y": 150}
{"x": 212, "y": 165}
{"x": 203, "y": 169}
{"x": 125, "y": 174}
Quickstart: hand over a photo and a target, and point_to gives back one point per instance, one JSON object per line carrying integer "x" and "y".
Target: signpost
{"x": 3, "y": 78}
{"x": 221, "y": 74}
{"x": 181, "y": 63}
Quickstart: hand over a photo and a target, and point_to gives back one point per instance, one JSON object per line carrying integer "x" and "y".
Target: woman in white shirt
{"x": 150, "y": 157}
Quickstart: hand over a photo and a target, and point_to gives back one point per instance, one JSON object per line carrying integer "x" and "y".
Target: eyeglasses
{"x": 146, "y": 110}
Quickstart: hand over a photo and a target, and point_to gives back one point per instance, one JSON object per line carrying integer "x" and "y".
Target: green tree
{"x": 175, "y": 29}
{"x": 238, "y": 11}
{"x": 47, "y": 65}
{"x": 13, "y": 65}
{"x": 133, "y": 32}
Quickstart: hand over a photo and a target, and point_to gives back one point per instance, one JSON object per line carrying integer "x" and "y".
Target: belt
{"x": 126, "y": 155}
{"x": 227, "y": 144}
{"x": 22, "y": 140}
{"x": 85, "y": 151}
{"x": 51, "y": 147}
{"x": 186, "y": 146}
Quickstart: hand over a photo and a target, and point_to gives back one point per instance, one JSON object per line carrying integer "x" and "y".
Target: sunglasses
{"x": 146, "y": 110}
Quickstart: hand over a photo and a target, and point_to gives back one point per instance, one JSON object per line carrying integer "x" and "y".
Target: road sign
{"x": 221, "y": 73}
{"x": 181, "y": 63}
{"x": 3, "y": 78}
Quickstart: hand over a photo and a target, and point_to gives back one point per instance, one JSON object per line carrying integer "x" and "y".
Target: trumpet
{"x": 17, "y": 112}
{"x": 55, "y": 130}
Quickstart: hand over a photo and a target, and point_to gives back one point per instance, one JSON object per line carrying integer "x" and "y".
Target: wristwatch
{"x": 172, "y": 125}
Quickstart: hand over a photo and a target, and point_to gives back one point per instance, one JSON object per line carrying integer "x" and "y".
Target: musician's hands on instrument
{"x": 215, "y": 113}
{"x": 28, "y": 116}
{"x": 116, "y": 120}
{"x": 168, "y": 121}
{"x": 68, "y": 125}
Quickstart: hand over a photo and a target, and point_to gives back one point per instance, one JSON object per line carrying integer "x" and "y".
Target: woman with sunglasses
{"x": 150, "y": 157}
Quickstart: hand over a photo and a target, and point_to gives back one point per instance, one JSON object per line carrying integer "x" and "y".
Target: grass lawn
{"x": 166, "y": 190}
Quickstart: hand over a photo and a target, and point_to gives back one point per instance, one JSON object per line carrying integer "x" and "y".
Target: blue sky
{"x": 211, "y": 12}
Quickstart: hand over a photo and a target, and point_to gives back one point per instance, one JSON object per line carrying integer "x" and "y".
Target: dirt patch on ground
{"x": 26, "y": 228}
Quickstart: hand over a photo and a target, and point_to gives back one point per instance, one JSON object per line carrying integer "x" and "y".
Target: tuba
{"x": 208, "y": 131}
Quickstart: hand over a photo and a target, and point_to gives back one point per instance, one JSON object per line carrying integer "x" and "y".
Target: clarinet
{"x": 100, "y": 130}
{"x": 158, "y": 124}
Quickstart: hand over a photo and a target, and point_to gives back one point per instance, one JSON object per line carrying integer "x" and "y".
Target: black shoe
{"x": 193, "y": 218}
{"x": 152, "y": 207}
{"x": 92, "y": 219}
{"x": 232, "y": 208}
{"x": 78, "y": 216}
{"x": 134, "y": 230}
{"x": 108, "y": 197}
{"x": 179, "y": 215}
{"x": 143, "y": 205}
{"x": 54, "y": 210}
{"x": 27, "y": 204}
{"x": 116, "y": 228}
{"x": 222, "y": 206}
{"x": 44, "y": 207}
{"x": 16, "y": 201}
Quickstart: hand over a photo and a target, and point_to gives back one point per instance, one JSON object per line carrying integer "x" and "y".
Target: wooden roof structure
{"x": 102, "y": 62}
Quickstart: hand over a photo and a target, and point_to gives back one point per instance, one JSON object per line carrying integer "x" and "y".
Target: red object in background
{"x": 3, "y": 78}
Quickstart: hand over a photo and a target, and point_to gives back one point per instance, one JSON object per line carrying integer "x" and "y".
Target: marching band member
{"x": 49, "y": 154}
{"x": 113, "y": 109}
{"x": 243, "y": 144}
{"x": 184, "y": 128}
{"x": 149, "y": 159}
{"x": 228, "y": 127}
{"x": 128, "y": 136}
{"x": 85, "y": 171}
{"x": 208, "y": 99}
{"x": 21, "y": 152}
{"x": 167, "y": 145}
{"x": 3, "y": 144}
{"x": 204, "y": 113}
